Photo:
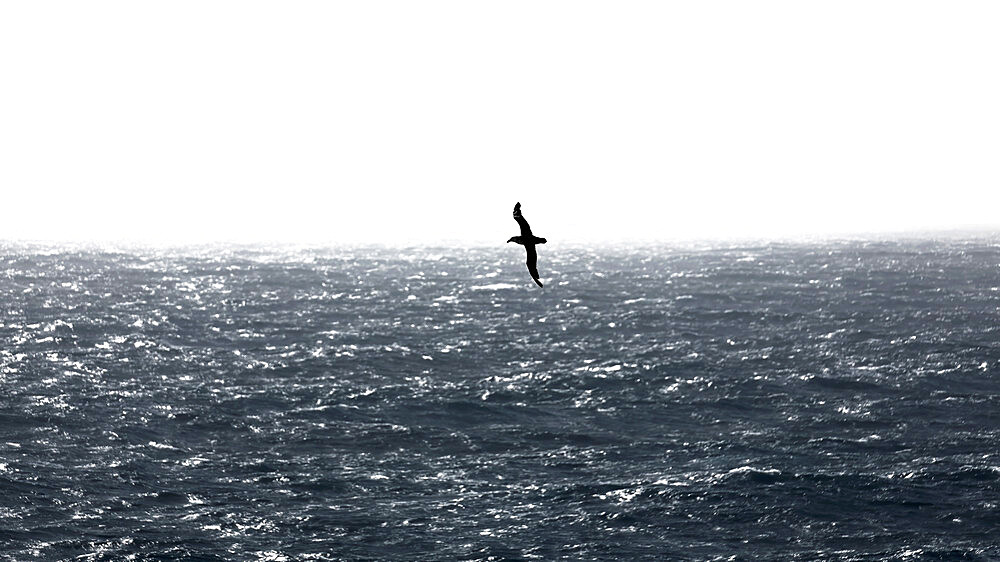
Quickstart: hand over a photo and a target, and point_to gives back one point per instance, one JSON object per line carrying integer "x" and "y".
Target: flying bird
{"x": 528, "y": 240}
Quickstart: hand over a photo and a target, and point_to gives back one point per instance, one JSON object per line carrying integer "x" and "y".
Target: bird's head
{"x": 511, "y": 240}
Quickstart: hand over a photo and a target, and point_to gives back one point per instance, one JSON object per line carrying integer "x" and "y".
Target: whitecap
{"x": 493, "y": 287}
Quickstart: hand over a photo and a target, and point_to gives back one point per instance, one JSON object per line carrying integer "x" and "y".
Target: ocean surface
{"x": 835, "y": 401}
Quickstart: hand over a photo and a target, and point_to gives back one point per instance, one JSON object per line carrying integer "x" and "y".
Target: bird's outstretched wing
{"x": 532, "y": 261}
{"x": 525, "y": 229}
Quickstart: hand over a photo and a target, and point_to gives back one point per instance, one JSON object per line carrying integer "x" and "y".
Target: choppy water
{"x": 834, "y": 401}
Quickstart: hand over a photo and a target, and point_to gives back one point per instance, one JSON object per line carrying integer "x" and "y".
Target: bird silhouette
{"x": 528, "y": 240}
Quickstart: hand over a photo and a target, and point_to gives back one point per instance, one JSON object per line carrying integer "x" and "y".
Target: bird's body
{"x": 528, "y": 240}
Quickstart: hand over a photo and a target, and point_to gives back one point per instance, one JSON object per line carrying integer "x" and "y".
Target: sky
{"x": 422, "y": 122}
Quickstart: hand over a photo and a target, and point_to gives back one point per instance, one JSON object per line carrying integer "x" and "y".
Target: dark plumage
{"x": 528, "y": 240}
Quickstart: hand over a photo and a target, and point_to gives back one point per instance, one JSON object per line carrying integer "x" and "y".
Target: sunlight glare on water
{"x": 833, "y": 400}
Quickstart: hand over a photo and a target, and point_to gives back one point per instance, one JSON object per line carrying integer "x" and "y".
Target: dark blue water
{"x": 828, "y": 401}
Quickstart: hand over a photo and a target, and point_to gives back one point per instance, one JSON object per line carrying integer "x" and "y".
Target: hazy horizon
{"x": 973, "y": 233}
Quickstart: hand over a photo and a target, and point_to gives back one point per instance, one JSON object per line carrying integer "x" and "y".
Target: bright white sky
{"x": 191, "y": 121}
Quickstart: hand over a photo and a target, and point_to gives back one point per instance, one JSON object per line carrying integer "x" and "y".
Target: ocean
{"x": 834, "y": 400}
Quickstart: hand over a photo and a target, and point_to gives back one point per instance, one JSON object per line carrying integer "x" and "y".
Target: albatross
{"x": 528, "y": 240}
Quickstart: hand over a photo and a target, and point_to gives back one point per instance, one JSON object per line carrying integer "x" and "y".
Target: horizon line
{"x": 929, "y": 234}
